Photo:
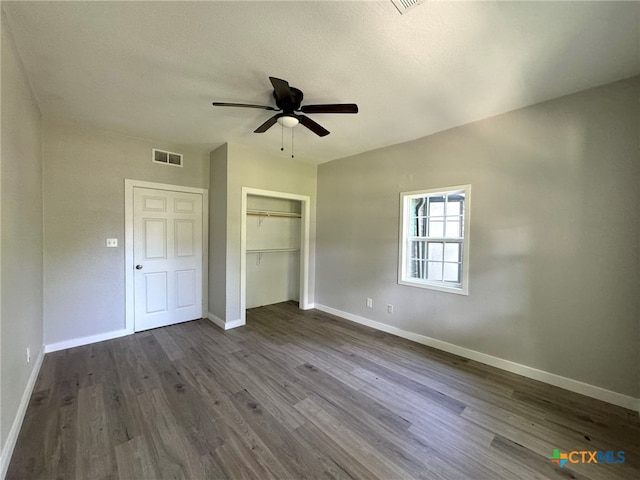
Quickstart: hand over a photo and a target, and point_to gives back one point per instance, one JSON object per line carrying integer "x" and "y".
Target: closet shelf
{"x": 273, "y": 250}
{"x": 268, "y": 213}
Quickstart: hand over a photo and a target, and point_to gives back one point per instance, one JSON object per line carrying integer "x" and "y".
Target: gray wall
{"x": 248, "y": 167}
{"x": 554, "y": 267}
{"x": 84, "y": 176}
{"x": 218, "y": 232}
{"x": 21, "y": 234}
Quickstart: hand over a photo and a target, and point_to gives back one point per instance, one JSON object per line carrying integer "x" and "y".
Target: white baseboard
{"x": 12, "y": 438}
{"x": 551, "y": 378}
{"x": 78, "y": 342}
{"x": 228, "y": 325}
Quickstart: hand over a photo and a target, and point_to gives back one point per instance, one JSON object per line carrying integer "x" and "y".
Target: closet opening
{"x": 274, "y": 249}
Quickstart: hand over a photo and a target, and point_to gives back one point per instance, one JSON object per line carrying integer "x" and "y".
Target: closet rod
{"x": 273, "y": 250}
{"x": 273, "y": 214}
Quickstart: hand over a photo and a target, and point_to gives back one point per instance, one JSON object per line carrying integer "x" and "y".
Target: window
{"x": 434, "y": 239}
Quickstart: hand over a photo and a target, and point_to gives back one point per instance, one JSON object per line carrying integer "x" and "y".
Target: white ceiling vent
{"x": 404, "y": 5}
{"x": 168, "y": 158}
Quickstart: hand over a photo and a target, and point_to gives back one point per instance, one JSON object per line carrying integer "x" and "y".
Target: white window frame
{"x": 405, "y": 240}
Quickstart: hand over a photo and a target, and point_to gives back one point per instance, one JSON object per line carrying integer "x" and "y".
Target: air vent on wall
{"x": 404, "y": 5}
{"x": 168, "y": 158}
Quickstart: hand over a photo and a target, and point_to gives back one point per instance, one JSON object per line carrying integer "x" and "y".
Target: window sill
{"x": 461, "y": 290}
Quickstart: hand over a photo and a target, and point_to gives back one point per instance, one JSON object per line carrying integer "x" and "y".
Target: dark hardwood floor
{"x": 297, "y": 395}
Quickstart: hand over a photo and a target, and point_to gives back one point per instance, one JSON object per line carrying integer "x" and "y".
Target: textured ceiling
{"x": 152, "y": 69}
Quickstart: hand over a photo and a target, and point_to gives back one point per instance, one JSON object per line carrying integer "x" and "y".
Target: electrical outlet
{"x": 389, "y": 308}
{"x": 369, "y": 303}
{"x": 28, "y": 355}
{"x": 112, "y": 242}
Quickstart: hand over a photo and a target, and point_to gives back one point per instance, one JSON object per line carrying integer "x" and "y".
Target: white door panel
{"x": 167, "y": 235}
{"x": 185, "y": 287}
{"x": 155, "y": 239}
{"x": 155, "y": 290}
{"x": 184, "y": 237}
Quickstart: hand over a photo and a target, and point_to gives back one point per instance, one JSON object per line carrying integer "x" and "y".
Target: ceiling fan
{"x": 288, "y": 100}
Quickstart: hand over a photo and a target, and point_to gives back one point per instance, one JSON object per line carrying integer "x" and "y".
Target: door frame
{"x": 305, "y": 201}
{"x": 129, "y": 185}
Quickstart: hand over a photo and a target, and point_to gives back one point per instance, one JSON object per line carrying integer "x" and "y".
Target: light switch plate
{"x": 112, "y": 242}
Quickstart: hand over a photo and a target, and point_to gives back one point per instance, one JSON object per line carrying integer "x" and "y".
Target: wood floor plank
{"x": 191, "y": 409}
{"x": 213, "y": 468}
{"x": 60, "y": 452}
{"x": 359, "y": 405}
{"x": 169, "y": 448}
{"x": 297, "y": 460}
{"x": 388, "y": 433}
{"x": 421, "y": 411}
{"x": 120, "y": 422}
{"x": 168, "y": 344}
{"x": 94, "y": 447}
{"x": 133, "y": 367}
{"x": 336, "y": 463}
{"x": 274, "y": 398}
{"x": 434, "y": 395}
{"x": 216, "y": 367}
{"x": 351, "y": 442}
{"x": 134, "y": 460}
{"x": 274, "y": 373}
{"x": 341, "y": 373}
{"x": 424, "y": 368}
{"x": 238, "y": 460}
{"x": 464, "y": 392}
{"x": 33, "y": 463}
{"x": 302, "y": 395}
{"x": 539, "y": 466}
{"x": 223, "y": 409}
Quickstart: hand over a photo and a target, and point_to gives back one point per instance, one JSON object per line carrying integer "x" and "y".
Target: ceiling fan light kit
{"x": 288, "y": 121}
{"x": 288, "y": 100}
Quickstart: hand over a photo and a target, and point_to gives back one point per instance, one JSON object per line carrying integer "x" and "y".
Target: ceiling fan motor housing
{"x": 291, "y": 104}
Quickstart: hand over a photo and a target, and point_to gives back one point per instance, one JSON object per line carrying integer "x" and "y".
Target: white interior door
{"x": 167, "y": 257}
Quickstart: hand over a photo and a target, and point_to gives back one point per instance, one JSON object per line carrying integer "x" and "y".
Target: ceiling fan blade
{"x": 313, "y": 126}
{"x": 282, "y": 89}
{"x": 330, "y": 108}
{"x": 267, "y": 125}
{"x": 245, "y": 105}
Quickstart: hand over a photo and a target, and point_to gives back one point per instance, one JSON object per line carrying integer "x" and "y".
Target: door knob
{"x": 138, "y": 267}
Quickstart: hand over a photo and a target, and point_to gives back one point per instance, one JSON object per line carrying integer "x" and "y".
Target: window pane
{"x": 436, "y": 227}
{"x": 454, "y": 229}
{"x": 452, "y": 272}
{"x": 452, "y": 252}
{"x": 418, "y": 206}
{"x": 453, "y": 207}
{"x": 413, "y": 268}
{"x": 419, "y": 226}
{"x": 434, "y": 271}
{"x": 436, "y": 206}
{"x": 435, "y": 251}
{"x": 418, "y": 250}
{"x": 417, "y": 269}
{"x": 413, "y": 227}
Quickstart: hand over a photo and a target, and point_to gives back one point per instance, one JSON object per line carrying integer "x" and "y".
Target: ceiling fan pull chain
{"x": 292, "y": 130}
{"x": 281, "y": 138}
